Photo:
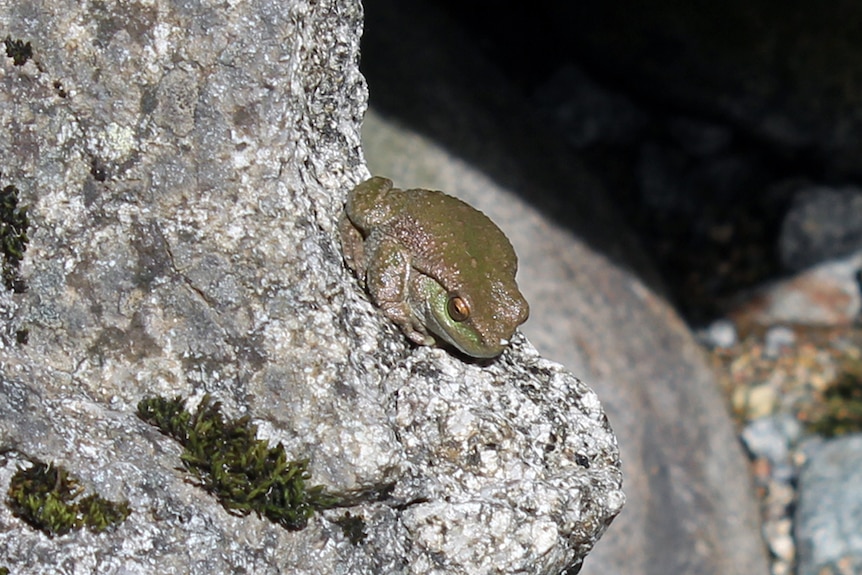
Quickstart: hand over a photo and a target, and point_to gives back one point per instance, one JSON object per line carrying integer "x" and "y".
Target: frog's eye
{"x": 458, "y": 308}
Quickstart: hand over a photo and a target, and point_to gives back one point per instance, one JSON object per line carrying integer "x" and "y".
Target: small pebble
{"x": 719, "y": 334}
{"x": 777, "y": 339}
{"x": 780, "y": 539}
{"x": 760, "y": 401}
{"x": 765, "y": 437}
{"x": 778, "y": 501}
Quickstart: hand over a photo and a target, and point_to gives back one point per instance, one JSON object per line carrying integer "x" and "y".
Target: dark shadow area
{"x": 426, "y": 74}
{"x": 465, "y": 75}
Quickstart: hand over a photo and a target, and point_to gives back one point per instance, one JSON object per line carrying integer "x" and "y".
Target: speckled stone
{"x": 829, "y": 513}
{"x": 185, "y": 165}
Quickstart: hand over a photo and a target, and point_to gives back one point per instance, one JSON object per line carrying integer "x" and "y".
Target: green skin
{"x": 416, "y": 249}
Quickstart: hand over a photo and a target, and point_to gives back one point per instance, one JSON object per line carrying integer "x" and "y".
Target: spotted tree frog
{"x": 437, "y": 267}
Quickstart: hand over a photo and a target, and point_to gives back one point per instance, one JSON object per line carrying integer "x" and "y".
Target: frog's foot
{"x": 420, "y": 337}
{"x": 402, "y": 316}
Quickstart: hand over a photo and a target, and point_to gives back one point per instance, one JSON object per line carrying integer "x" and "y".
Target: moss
{"x": 14, "y": 224}
{"x": 44, "y": 496}
{"x": 61, "y": 91}
{"x": 353, "y": 527}
{"x": 244, "y": 473}
{"x": 100, "y": 514}
{"x": 98, "y": 170}
{"x": 841, "y": 409}
{"x": 18, "y": 50}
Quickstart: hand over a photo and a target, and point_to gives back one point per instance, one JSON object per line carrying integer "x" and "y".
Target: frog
{"x": 435, "y": 266}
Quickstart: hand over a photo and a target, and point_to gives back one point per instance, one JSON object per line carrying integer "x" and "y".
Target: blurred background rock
{"x": 701, "y": 155}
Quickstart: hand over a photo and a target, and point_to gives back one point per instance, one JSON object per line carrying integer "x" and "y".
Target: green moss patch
{"x": 18, "y": 50}
{"x": 47, "y": 498}
{"x": 244, "y": 473}
{"x": 352, "y": 527}
{"x": 840, "y": 410}
{"x": 14, "y": 224}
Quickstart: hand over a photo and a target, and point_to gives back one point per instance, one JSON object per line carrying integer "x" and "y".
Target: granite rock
{"x": 185, "y": 165}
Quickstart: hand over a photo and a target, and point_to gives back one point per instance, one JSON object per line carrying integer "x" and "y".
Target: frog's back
{"x": 450, "y": 240}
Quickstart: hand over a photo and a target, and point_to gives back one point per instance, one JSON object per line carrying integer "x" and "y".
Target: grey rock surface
{"x": 829, "y": 512}
{"x": 828, "y": 294}
{"x": 441, "y": 118}
{"x": 771, "y": 438}
{"x": 185, "y": 165}
{"x": 822, "y": 224}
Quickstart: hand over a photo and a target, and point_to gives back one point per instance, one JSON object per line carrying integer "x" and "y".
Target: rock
{"x": 185, "y": 166}
{"x": 780, "y": 539}
{"x": 826, "y": 295}
{"x": 700, "y": 138}
{"x": 757, "y": 401}
{"x": 822, "y": 224}
{"x": 661, "y": 174}
{"x": 771, "y": 438}
{"x": 440, "y": 117}
{"x": 829, "y": 513}
{"x": 667, "y": 176}
{"x": 721, "y": 333}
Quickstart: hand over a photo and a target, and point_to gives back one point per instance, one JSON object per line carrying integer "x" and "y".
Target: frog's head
{"x": 477, "y": 324}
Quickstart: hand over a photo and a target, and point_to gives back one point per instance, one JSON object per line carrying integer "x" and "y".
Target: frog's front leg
{"x": 388, "y": 281}
{"x": 352, "y": 245}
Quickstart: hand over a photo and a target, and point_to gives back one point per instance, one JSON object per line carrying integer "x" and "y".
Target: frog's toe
{"x": 417, "y": 333}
